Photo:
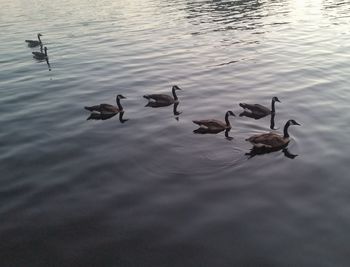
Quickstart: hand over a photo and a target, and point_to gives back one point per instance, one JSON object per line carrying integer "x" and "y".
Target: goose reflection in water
{"x": 261, "y": 151}
{"x": 257, "y": 117}
{"x": 101, "y": 116}
{"x": 211, "y": 131}
{"x": 48, "y": 64}
{"x": 162, "y": 104}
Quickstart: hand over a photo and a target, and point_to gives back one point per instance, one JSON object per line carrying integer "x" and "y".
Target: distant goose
{"x": 40, "y": 55}
{"x": 272, "y": 140}
{"x": 212, "y": 125}
{"x": 162, "y": 100}
{"x": 258, "y": 111}
{"x": 107, "y": 108}
{"x": 34, "y": 43}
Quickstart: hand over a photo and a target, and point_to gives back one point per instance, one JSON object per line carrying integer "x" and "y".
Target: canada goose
{"x": 107, "y": 108}
{"x": 272, "y": 140}
{"x": 212, "y": 125}
{"x": 40, "y": 55}
{"x": 162, "y": 100}
{"x": 258, "y": 111}
{"x": 34, "y": 43}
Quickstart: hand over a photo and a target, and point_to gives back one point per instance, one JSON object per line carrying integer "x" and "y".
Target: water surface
{"x": 150, "y": 192}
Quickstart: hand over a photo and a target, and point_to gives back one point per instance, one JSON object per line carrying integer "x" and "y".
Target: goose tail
{"x": 243, "y": 105}
{"x": 147, "y": 97}
{"x": 89, "y": 108}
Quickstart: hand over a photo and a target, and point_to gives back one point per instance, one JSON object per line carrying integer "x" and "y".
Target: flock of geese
{"x": 262, "y": 143}
{"x": 42, "y": 55}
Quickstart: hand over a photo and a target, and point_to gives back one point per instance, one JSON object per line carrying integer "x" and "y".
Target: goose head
{"x": 230, "y": 113}
{"x": 39, "y": 34}
{"x": 275, "y": 99}
{"x": 293, "y": 122}
{"x": 120, "y": 97}
{"x": 285, "y": 130}
{"x": 175, "y": 87}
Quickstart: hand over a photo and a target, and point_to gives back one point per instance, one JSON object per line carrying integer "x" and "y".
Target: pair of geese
{"x": 34, "y": 43}
{"x": 266, "y": 141}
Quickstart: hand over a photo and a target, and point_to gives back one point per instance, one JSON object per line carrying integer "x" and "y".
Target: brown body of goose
{"x": 272, "y": 140}
{"x": 162, "y": 100}
{"x": 258, "y": 111}
{"x": 34, "y": 43}
{"x": 107, "y": 108}
{"x": 40, "y": 55}
{"x": 214, "y": 126}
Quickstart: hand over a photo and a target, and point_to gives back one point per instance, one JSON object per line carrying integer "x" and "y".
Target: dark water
{"x": 149, "y": 192}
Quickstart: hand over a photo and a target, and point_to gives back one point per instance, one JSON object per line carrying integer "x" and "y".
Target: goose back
{"x": 268, "y": 140}
{"x": 211, "y": 124}
{"x": 257, "y": 109}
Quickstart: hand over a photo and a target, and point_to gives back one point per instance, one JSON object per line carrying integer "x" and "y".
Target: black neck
{"x": 176, "y": 113}
{"x": 118, "y": 104}
{"x": 272, "y": 121}
{"x": 174, "y": 94}
{"x": 39, "y": 38}
{"x": 285, "y": 130}
{"x": 45, "y": 51}
{"x": 273, "y": 106}
{"x": 226, "y": 120}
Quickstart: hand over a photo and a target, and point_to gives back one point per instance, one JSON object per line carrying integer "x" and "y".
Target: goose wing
{"x": 256, "y": 108}
{"x": 103, "y": 108}
{"x": 162, "y": 98}
{"x": 269, "y": 140}
{"x": 32, "y": 43}
{"x": 211, "y": 124}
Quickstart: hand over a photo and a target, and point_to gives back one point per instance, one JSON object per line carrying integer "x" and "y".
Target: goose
{"x": 40, "y": 55}
{"x": 258, "y": 111}
{"x": 212, "y": 125}
{"x": 162, "y": 100}
{"x": 34, "y": 43}
{"x": 272, "y": 140}
{"x": 107, "y": 108}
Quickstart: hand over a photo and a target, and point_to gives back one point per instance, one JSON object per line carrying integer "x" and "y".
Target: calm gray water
{"x": 150, "y": 192}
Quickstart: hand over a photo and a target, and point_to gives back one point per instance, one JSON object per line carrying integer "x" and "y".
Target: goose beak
{"x": 297, "y": 124}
